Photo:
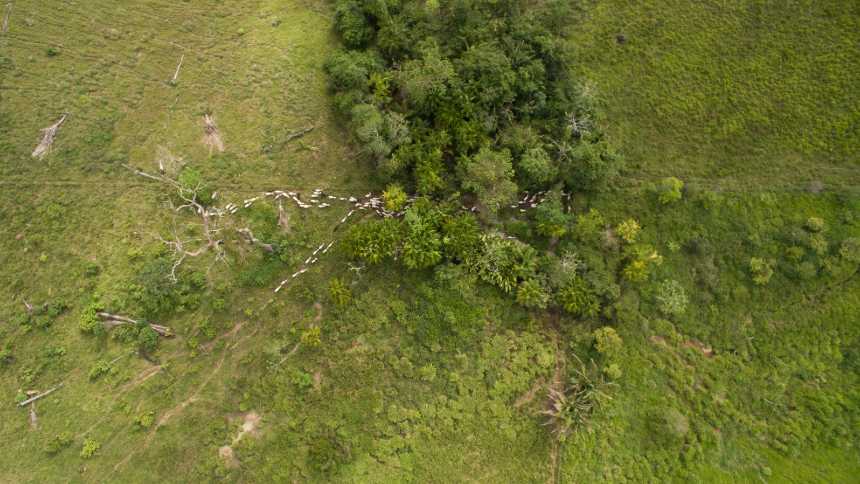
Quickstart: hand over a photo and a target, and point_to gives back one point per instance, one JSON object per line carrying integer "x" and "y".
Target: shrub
{"x": 99, "y": 369}
{"x": 850, "y": 249}
{"x": 669, "y": 190}
{"x": 671, "y": 298}
{"x": 550, "y": 217}
{"x": 311, "y": 336}
{"x": 395, "y": 198}
{"x": 373, "y": 241}
{"x": 607, "y": 342}
{"x": 144, "y": 420}
{"x": 351, "y": 23}
{"x": 536, "y": 168}
{"x": 147, "y": 339}
{"x": 532, "y": 294}
{"x": 669, "y": 427}
{"x": 58, "y": 443}
{"x": 589, "y": 226}
{"x": 350, "y": 70}
{"x": 489, "y": 175}
{"x": 88, "y": 322}
{"x": 340, "y": 293}
{"x": 814, "y": 224}
{"x": 89, "y": 448}
{"x": 578, "y": 299}
{"x": 628, "y": 230}
{"x": 761, "y": 269}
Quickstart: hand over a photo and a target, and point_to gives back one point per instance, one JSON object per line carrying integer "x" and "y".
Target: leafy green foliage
{"x": 58, "y": 443}
{"x": 671, "y": 298}
{"x": 489, "y": 174}
{"x": 89, "y": 448}
{"x": 669, "y": 190}
{"x": 339, "y": 292}
{"x": 532, "y": 294}
{"x": 761, "y": 270}
{"x": 578, "y": 299}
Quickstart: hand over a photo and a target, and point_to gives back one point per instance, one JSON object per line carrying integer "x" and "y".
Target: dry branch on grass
{"x": 39, "y": 396}
{"x": 113, "y": 320}
{"x": 212, "y": 137}
{"x": 298, "y": 134}
{"x": 6, "y": 15}
{"x": 249, "y": 237}
{"x": 176, "y": 74}
{"x": 48, "y": 135}
{"x": 210, "y": 227}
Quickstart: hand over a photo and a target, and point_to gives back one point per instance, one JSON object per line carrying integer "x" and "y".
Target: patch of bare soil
{"x": 250, "y": 424}
{"x": 696, "y": 344}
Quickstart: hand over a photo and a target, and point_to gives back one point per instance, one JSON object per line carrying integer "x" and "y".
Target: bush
{"x": 489, "y": 175}
{"x": 532, "y": 294}
{"x": 607, "y": 342}
{"x": 578, "y": 299}
{"x": 762, "y": 270}
{"x": 550, "y": 217}
{"x": 88, "y": 322}
{"x": 373, "y": 241}
{"x": 536, "y": 169}
{"x": 99, "y": 369}
{"x": 58, "y": 443}
{"x": 350, "y": 71}
{"x": 144, "y": 420}
{"x": 669, "y": 190}
{"x": 669, "y": 427}
{"x": 89, "y": 448}
{"x": 351, "y": 23}
{"x": 850, "y": 249}
{"x": 814, "y": 224}
{"x": 628, "y": 230}
{"x": 340, "y": 293}
{"x": 395, "y": 198}
{"x": 671, "y": 298}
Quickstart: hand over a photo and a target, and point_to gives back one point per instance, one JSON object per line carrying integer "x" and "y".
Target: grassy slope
{"x": 375, "y": 413}
{"x": 733, "y": 94}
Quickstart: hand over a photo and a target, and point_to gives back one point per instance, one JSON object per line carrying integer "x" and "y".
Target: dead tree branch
{"x": 5, "y": 27}
{"x": 39, "y": 396}
{"x": 48, "y": 135}
{"x": 298, "y": 134}
{"x": 113, "y": 320}
{"x": 249, "y": 237}
{"x": 212, "y": 137}
{"x": 190, "y": 197}
{"x": 176, "y": 74}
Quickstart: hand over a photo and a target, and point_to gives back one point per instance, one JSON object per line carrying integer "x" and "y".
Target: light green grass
{"x": 737, "y": 91}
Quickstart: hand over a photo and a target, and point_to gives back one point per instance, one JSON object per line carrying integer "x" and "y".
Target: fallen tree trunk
{"x": 41, "y": 395}
{"x": 111, "y": 320}
{"x": 48, "y": 135}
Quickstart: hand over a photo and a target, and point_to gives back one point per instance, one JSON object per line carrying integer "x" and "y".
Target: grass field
{"x": 734, "y": 94}
{"x": 424, "y": 376}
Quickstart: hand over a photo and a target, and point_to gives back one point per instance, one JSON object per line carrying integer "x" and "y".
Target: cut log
{"x": 48, "y": 135}
{"x": 111, "y": 320}
{"x": 41, "y": 395}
